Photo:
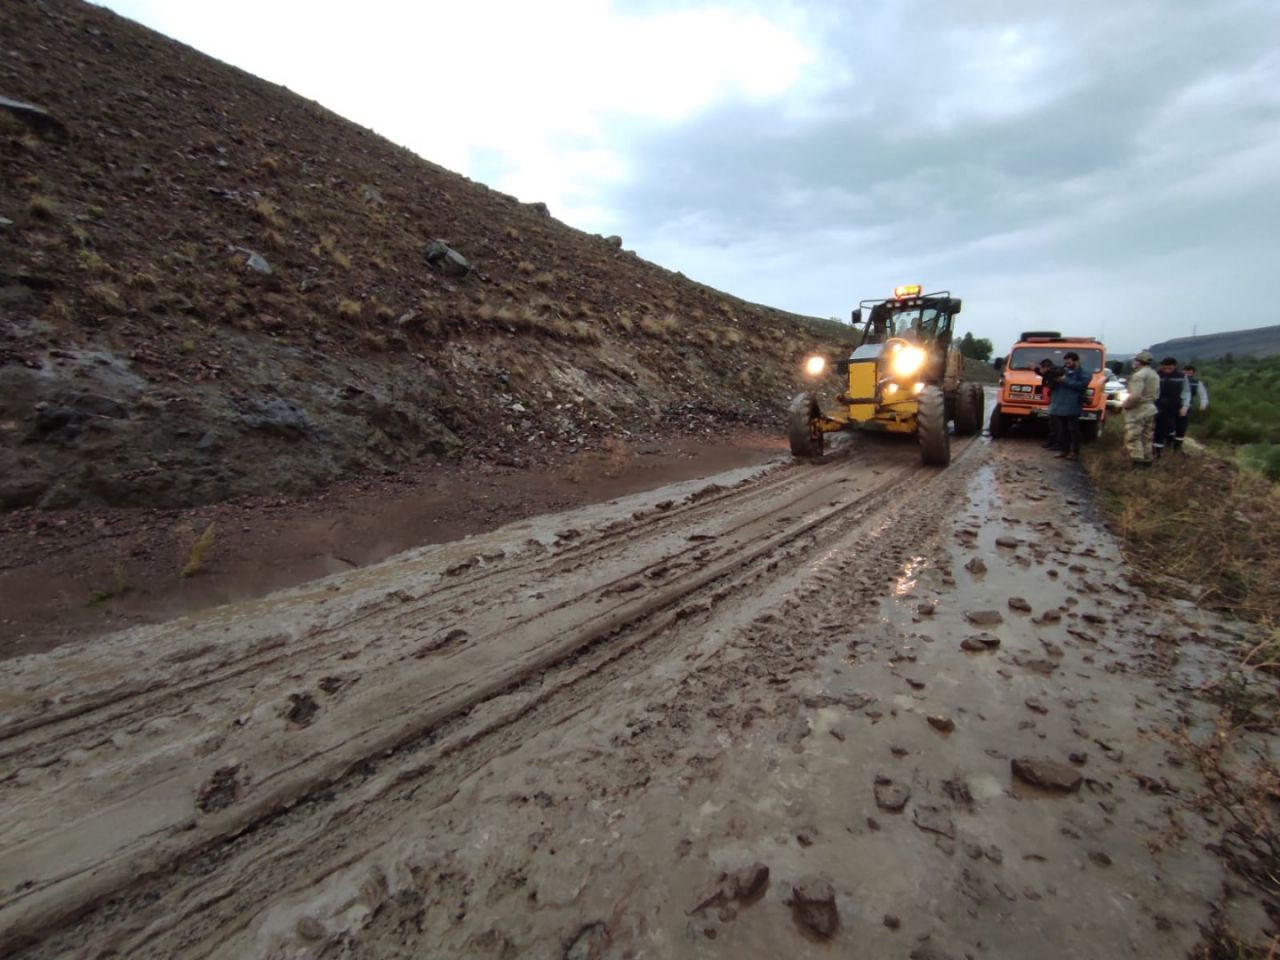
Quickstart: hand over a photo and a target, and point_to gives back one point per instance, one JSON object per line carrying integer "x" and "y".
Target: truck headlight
{"x": 907, "y": 361}
{"x": 815, "y": 365}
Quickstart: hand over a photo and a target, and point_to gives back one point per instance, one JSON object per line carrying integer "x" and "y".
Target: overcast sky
{"x": 1103, "y": 167}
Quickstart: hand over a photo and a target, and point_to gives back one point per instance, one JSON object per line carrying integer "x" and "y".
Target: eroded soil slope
{"x": 212, "y": 287}
{"x": 760, "y": 717}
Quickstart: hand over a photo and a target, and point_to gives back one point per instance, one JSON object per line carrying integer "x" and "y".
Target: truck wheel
{"x": 999, "y": 424}
{"x": 803, "y": 426}
{"x": 931, "y": 428}
{"x": 968, "y": 417}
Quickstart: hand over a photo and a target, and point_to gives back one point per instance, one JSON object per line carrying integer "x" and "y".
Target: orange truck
{"x": 1022, "y": 395}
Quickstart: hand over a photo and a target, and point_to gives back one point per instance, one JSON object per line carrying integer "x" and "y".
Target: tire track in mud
{"x": 146, "y": 697}
{"x": 597, "y": 640}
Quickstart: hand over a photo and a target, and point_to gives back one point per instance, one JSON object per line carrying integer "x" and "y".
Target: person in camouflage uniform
{"x": 1140, "y": 411}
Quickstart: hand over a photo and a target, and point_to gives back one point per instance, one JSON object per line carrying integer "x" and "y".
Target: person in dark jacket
{"x": 1173, "y": 401}
{"x": 1066, "y": 403}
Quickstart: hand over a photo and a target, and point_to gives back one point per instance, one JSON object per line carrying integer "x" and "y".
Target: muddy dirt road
{"x": 775, "y": 714}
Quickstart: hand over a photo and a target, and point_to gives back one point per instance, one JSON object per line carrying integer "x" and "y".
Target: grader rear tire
{"x": 803, "y": 426}
{"x": 968, "y": 417}
{"x": 931, "y": 428}
{"x": 979, "y": 406}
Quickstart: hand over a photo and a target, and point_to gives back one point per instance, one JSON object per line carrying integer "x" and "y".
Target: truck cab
{"x": 1022, "y": 395}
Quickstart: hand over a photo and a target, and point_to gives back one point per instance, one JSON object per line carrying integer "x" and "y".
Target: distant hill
{"x": 1259, "y": 342}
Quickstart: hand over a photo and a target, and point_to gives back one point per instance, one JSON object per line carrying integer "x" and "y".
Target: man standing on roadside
{"x": 1140, "y": 411}
{"x": 1172, "y": 402}
{"x": 1199, "y": 394}
{"x": 1066, "y": 403}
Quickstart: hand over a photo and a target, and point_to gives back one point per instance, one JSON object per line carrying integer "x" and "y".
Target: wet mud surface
{"x": 784, "y": 712}
{"x": 67, "y": 575}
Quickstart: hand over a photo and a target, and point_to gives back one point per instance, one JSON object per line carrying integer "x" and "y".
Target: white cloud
{"x": 520, "y": 95}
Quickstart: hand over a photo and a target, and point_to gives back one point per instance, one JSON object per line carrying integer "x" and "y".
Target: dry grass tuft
{"x": 545, "y": 279}
{"x": 267, "y": 212}
{"x": 93, "y": 262}
{"x": 660, "y": 328}
{"x": 119, "y": 587}
{"x": 42, "y": 207}
{"x": 350, "y": 309}
{"x": 1195, "y": 526}
{"x": 525, "y": 267}
{"x": 107, "y": 296}
{"x": 373, "y": 340}
{"x": 195, "y": 560}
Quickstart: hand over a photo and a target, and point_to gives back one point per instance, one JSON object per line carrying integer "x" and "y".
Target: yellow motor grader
{"x": 903, "y": 377}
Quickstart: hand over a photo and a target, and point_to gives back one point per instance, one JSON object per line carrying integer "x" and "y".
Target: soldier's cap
{"x": 1143, "y": 357}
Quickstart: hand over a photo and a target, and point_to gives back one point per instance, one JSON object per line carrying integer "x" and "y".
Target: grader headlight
{"x": 907, "y": 361}
{"x": 815, "y": 365}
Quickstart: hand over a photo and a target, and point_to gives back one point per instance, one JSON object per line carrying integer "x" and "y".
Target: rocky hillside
{"x": 210, "y": 286}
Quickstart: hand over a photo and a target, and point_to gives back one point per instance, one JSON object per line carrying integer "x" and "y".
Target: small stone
{"x": 309, "y": 928}
{"x": 934, "y": 820}
{"x": 892, "y": 922}
{"x": 591, "y": 942}
{"x": 813, "y": 905}
{"x": 747, "y": 883}
{"x": 890, "y": 796}
{"x": 1047, "y": 774}
{"x": 940, "y": 722}
{"x": 1010, "y": 542}
{"x": 1019, "y": 604}
{"x": 926, "y": 609}
{"x": 977, "y": 566}
{"x": 984, "y": 618}
{"x": 1051, "y": 616}
{"x": 1035, "y": 706}
{"x": 1100, "y": 858}
{"x": 1078, "y": 758}
{"x": 931, "y": 951}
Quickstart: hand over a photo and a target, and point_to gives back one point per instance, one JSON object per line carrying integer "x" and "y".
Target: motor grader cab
{"x": 903, "y": 377}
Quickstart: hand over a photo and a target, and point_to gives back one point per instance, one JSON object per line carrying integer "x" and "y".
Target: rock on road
{"x": 568, "y": 737}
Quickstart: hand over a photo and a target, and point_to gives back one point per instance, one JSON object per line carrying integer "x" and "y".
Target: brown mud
{"x": 727, "y": 718}
{"x": 70, "y": 574}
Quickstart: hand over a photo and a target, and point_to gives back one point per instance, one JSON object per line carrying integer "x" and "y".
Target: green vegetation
{"x": 975, "y": 348}
{"x": 1243, "y": 419}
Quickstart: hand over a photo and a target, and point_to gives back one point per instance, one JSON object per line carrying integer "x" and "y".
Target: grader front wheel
{"x": 804, "y": 427}
{"x": 931, "y": 428}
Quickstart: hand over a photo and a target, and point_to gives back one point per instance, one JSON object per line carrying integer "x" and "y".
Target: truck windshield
{"x": 1028, "y": 358}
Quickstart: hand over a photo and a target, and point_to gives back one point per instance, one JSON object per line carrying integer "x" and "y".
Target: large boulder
{"x": 37, "y": 119}
{"x": 440, "y": 254}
